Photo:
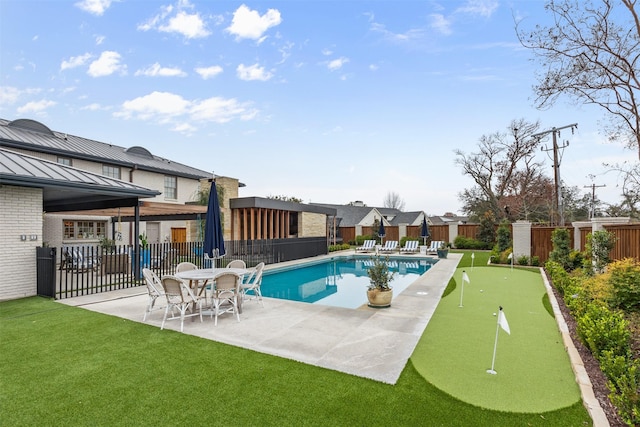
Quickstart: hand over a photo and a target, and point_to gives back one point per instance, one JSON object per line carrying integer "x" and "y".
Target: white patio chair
{"x": 154, "y": 289}
{"x": 179, "y": 296}
{"x": 389, "y": 246}
{"x": 225, "y": 295}
{"x": 237, "y": 263}
{"x": 367, "y": 246}
{"x": 410, "y": 246}
{"x": 253, "y": 284}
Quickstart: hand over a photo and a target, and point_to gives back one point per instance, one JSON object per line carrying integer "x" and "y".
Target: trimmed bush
{"x": 604, "y": 330}
{"x": 624, "y": 276}
{"x": 341, "y": 247}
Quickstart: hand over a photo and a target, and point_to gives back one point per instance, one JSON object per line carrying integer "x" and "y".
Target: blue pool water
{"x": 339, "y": 282}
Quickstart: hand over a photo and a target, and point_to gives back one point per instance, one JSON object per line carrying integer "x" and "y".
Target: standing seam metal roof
{"x": 31, "y": 135}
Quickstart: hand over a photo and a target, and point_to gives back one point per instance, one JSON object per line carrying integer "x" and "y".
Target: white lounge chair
{"x": 389, "y": 246}
{"x": 410, "y": 246}
{"x": 367, "y": 246}
{"x": 434, "y": 246}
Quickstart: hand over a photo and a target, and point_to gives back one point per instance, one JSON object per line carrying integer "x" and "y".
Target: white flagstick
{"x": 502, "y": 321}
{"x": 473, "y": 256}
{"x": 511, "y": 258}
{"x": 465, "y": 278}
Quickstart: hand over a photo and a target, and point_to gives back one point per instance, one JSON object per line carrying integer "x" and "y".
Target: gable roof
{"x": 350, "y": 215}
{"x": 411, "y": 218}
{"x": 65, "y": 187}
{"x": 31, "y": 135}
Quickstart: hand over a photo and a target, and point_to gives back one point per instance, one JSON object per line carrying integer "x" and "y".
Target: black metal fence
{"x": 85, "y": 270}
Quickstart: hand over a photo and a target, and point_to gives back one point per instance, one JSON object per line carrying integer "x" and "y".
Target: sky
{"x": 326, "y": 101}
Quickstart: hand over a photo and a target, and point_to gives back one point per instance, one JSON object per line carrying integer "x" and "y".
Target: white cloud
{"x": 9, "y": 95}
{"x": 248, "y": 24}
{"x": 253, "y": 72}
{"x": 93, "y": 107}
{"x": 373, "y": 67}
{"x": 165, "y": 107}
{"x": 107, "y": 64}
{"x": 336, "y": 64}
{"x": 221, "y": 110}
{"x": 189, "y": 25}
{"x": 156, "y": 70}
{"x": 484, "y": 8}
{"x": 184, "y": 128}
{"x": 75, "y": 61}
{"x": 441, "y": 24}
{"x": 94, "y": 7}
{"x": 209, "y": 72}
{"x": 327, "y": 52}
{"x": 36, "y": 106}
{"x": 407, "y": 36}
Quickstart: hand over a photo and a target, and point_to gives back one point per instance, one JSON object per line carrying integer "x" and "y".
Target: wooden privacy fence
{"x": 627, "y": 241}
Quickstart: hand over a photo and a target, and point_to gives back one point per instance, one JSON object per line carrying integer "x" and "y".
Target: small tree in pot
{"x": 379, "y": 292}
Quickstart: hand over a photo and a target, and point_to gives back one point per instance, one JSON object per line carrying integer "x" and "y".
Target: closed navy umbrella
{"x": 213, "y": 235}
{"x": 424, "y": 233}
{"x": 381, "y": 230}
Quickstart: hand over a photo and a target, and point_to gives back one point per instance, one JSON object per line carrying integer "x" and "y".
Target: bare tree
{"x": 505, "y": 173}
{"x": 393, "y": 200}
{"x": 591, "y": 54}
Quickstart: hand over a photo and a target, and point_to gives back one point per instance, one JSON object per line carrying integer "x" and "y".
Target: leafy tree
{"x": 202, "y": 195}
{"x": 590, "y": 54}
{"x": 393, "y": 200}
{"x": 561, "y": 248}
{"x": 597, "y": 248}
{"x": 487, "y": 230}
{"x": 508, "y": 180}
{"x": 503, "y": 236}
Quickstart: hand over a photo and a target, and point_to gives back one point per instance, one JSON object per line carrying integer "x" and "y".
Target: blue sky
{"x": 328, "y": 101}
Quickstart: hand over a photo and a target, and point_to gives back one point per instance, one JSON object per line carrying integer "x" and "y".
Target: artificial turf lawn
{"x": 68, "y": 366}
{"x": 533, "y": 369}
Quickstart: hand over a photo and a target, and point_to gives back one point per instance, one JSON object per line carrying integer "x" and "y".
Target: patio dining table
{"x": 203, "y": 274}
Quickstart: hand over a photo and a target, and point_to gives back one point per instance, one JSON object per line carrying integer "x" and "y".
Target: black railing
{"x": 85, "y": 270}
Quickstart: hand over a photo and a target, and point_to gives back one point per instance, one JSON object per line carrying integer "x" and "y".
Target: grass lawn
{"x": 68, "y": 366}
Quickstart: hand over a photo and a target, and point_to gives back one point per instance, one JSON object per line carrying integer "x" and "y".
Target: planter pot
{"x": 442, "y": 253}
{"x": 378, "y": 298}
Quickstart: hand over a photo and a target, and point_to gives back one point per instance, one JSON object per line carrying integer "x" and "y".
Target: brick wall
{"x": 312, "y": 224}
{"x": 20, "y": 215}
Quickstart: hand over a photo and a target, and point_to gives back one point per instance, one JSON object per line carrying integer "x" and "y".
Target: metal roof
{"x": 32, "y": 135}
{"x": 151, "y": 211}
{"x": 65, "y": 187}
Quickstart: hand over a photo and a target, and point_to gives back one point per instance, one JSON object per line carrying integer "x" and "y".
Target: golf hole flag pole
{"x": 465, "y": 278}
{"x": 502, "y": 323}
{"x": 473, "y": 256}
{"x": 511, "y": 259}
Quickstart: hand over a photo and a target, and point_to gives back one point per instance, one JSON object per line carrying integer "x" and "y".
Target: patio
{"x": 366, "y": 342}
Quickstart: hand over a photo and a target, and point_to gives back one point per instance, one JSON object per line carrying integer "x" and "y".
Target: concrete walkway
{"x": 367, "y": 342}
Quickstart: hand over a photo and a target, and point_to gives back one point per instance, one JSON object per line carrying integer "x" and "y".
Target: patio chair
{"x": 77, "y": 259}
{"x": 389, "y": 246}
{"x": 367, "y": 246}
{"x": 237, "y": 263}
{"x": 154, "y": 289}
{"x": 410, "y": 246}
{"x": 179, "y": 296}
{"x": 253, "y": 284}
{"x": 225, "y": 295}
{"x": 434, "y": 246}
{"x": 185, "y": 266}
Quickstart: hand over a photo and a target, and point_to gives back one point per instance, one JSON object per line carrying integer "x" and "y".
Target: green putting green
{"x": 533, "y": 369}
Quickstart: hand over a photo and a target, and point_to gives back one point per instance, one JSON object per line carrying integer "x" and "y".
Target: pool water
{"x": 340, "y": 282}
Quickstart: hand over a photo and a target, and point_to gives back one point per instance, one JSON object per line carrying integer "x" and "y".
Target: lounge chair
{"x": 434, "y": 246}
{"x": 389, "y": 246}
{"x": 410, "y": 246}
{"x": 367, "y": 246}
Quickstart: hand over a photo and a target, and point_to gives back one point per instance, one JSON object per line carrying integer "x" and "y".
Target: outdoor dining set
{"x": 194, "y": 291}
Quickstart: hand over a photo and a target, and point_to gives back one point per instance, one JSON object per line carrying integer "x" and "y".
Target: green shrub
{"x": 625, "y": 282}
{"x": 535, "y": 261}
{"x": 503, "y": 239}
{"x": 576, "y": 259}
{"x": 523, "y": 260}
{"x": 462, "y": 242}
{"x": 341, "y": 247}
{"x": 602, "y": 329}
{"x": 597, "y": 248}
{"x": 624, "y": 387}
{"x": 561, "y": 249}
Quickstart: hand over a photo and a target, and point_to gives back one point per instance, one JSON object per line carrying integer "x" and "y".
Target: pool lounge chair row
{"x": 434, "y": 246}
{"x": 411, "y": 246}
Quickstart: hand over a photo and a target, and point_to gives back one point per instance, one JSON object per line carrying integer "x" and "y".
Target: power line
{"x": 556, "y": 164}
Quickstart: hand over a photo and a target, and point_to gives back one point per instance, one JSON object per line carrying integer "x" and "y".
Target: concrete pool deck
{"x": 367, "y": 342}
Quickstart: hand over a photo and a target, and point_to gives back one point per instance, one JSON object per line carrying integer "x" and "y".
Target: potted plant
{"x": 443, "y": 250}
{"x": 379, "y": 292}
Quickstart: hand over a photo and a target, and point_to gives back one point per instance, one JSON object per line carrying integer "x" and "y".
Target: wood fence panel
{"x": 413, "y": 231}
{"x": 348, "y": 234}
{"x": 469, "y": 231}
{"x": 439, "y": 232}
{"x": 627, "y": 241}
{"x": 541, "y": 244}
{"x": 583, "y": 236}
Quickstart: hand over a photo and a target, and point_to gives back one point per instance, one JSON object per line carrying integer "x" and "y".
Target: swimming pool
{"x": 338, "y": 282}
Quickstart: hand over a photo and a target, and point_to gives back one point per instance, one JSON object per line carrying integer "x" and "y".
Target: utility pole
{"x": 593, "y": 198}
{"x": 556, "y": 164}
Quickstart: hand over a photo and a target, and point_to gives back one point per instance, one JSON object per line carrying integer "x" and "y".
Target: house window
{"x": 170, "y": 187}
{"x": 80, "y": 230}
{"x": 112, "y": 171}
{"x": 64, "y": 161}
